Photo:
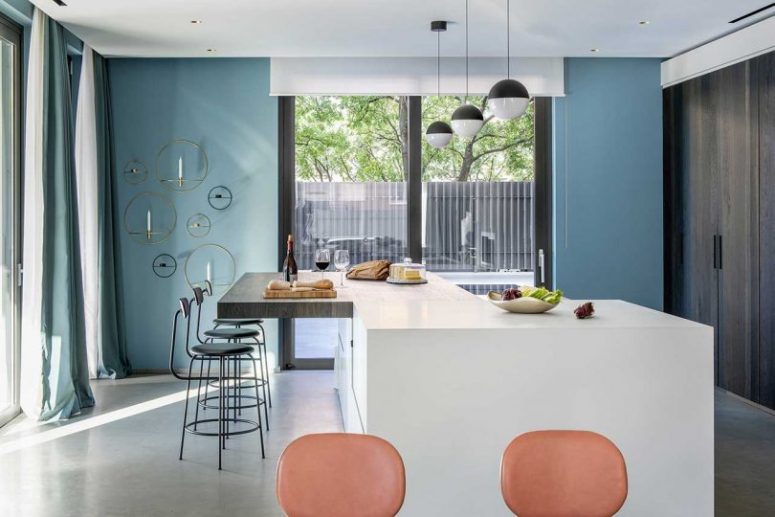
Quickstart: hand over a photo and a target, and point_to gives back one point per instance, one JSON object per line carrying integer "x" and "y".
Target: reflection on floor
{"x": 121, "y": 458}
{"x": 128, "y": 465}
{"x": 745, "y": 458}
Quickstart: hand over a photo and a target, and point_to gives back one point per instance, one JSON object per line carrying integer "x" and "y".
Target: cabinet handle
{"x": 715, "y": 252}
{"x": 720, "y": 253}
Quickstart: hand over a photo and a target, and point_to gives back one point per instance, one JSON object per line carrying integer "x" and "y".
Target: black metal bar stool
{"x": 261, "y": 338}
{"x": 234, "y": 335}
{"x": 224, "y": 354}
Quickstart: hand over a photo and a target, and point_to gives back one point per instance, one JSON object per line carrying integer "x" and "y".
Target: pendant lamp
{"x": 439, "y": 133}
{"x": 508, "y": 98}
{"x": 467, "y": 120}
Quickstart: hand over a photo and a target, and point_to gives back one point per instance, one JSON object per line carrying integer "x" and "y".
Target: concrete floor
{"x": 121, "y": 458}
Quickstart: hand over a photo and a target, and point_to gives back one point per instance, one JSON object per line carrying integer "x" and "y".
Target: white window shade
{"x": 543, "y": 77}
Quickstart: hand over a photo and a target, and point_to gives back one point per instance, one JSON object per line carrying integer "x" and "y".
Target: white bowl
{"x": 523, "y": 305}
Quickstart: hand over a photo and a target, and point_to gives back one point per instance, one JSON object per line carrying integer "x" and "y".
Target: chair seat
{"x": 230, "y": 333}
{"x": 221, "y": 349}
{"x": 238, "y": 321}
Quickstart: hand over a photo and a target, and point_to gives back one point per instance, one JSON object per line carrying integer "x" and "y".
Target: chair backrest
{"x": 340, "y": 475}
{"x": 199, "y": 298}
{"x": 184, "y": 308}
{"x": 563, "y": 473}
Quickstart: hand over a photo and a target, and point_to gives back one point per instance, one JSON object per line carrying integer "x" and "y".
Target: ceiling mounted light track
{"x": 467, "y": 120}
{"x": 439, "y": 133}
{"x": 508, "y": 98}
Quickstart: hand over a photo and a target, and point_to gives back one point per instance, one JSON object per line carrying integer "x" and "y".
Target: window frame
{"x": 12, "y": 32}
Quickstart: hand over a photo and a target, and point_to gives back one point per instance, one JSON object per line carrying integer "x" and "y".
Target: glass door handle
{"x": 541, "y": 267}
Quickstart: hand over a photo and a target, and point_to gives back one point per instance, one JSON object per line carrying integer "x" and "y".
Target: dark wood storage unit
{"x": 719, "y": 132}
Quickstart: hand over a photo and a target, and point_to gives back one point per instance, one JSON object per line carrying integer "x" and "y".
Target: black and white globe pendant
{"x": 508, "y": 99}
{"x": 467, "y": 120}
{"x": 438, "y": 134}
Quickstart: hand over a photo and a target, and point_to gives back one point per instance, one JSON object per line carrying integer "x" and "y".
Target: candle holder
{"x": 219, "y": 197}
{"x": 181, "y": 165}
{"x": 150, "y": 218}
{"x": 198, "y": 225}
{"x": 135, "y": 172}
{"x": 164, "y": 265}
{"x": 211, "y": 260}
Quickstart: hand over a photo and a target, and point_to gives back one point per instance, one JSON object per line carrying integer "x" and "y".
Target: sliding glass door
{"x": 10, "y": 187}
{"x": 356, "y": 174}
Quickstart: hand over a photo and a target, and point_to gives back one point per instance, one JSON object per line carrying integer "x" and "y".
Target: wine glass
{"x": 322, "y": 260}
{"x": 341, "y": 263}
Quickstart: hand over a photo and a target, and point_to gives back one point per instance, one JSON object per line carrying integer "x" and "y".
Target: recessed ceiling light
{"x": 594, "y": 50}
{"x": 196, "y": 22}
{"x": 643, "y": 22}
{"x": 211, "y": 50}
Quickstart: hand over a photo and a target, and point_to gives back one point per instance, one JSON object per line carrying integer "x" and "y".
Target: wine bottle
{"x": 290, "y": 269}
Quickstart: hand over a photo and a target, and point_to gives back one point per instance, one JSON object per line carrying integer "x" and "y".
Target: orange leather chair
{"x": 563, "y": 474}
{"x": 340, "y": 475}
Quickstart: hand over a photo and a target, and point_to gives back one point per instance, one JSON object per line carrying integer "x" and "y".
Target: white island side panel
{"x": 451, "y": 400}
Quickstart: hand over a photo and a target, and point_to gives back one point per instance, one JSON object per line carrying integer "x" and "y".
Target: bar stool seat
{"x": 219, "y": 349}
{"x": 230, "y": 333}
{"x": 238, "y": 321}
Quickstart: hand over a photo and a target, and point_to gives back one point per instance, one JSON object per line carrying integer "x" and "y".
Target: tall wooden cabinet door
{"x": 699, "y": 191}
{"x": 737, "y": 168}
{"x": 766, "y": 82}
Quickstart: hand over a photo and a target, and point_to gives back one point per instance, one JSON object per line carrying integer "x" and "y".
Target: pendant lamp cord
{"x": 438, "y": 64}
{"x": 466, "y": 99}
{"x": 508, "y": 41}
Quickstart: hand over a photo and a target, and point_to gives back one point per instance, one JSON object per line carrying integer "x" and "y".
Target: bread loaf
{"x": 371, "y": 270}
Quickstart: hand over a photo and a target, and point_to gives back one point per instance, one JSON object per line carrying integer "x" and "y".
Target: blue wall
{"x": 608, "y": 181}
{"x": 224, "y": 105}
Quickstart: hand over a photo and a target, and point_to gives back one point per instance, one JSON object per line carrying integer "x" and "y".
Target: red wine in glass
{"x": 322, "y": 266}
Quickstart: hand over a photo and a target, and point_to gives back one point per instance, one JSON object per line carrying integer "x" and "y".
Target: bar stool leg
{"x": 225, "y": 388}
{"x": 207, "y": 383}
{"x": 220, "y": 409}
{"x": 185, "y": 411}
{"x": 264, "y": 384}
{"x": 198, "y": 392}
{"x": 265, "y": 363}
{"x": 258, "y": 407}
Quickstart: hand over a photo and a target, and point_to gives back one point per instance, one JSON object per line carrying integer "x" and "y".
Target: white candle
{"x": 148, "y": 221}
{"x": 209, "y": 273}
{"x": 180, "y": 169}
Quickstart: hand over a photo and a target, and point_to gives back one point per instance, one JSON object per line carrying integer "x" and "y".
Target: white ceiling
{"x": 396, "y": 28}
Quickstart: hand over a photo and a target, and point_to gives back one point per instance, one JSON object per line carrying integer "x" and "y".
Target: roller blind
{"x": 543, "y": 77}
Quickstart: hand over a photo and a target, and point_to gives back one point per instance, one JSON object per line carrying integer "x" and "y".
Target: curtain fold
{"x": 105, "y": 338}
{"x": 55, "y": 380}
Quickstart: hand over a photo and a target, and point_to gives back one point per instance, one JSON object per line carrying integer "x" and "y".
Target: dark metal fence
{"x": 467, "y": 226}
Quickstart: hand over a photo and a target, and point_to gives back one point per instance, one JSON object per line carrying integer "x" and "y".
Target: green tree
{"x": 366, "y": 139}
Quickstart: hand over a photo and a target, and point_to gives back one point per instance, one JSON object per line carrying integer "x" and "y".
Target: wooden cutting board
{"x": 318, "y": 293}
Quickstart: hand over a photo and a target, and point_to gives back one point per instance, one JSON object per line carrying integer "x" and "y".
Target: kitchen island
{"x": 450, "y": 379}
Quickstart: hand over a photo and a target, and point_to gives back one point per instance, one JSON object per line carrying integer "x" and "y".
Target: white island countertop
{"x": 449, "y": 379}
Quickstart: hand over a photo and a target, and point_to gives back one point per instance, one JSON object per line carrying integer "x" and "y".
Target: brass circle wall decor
{"x": 198, "y": 225}
{"x": 219, "y": 197}
{"x": 164, "y": 265}
{"x": 210, "y": 262}
{"x": 135, "y": 172}
{"x": 150, "y": 218}
{"x": 181, "y": 165}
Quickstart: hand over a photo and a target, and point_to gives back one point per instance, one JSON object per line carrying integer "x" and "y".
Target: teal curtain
{"x": 65, "y": 370}
{"x": 114, "y": 362}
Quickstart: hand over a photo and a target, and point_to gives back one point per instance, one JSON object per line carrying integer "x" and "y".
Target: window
{"x": 10, "y": 188}
{"x": 357, "y": 174}
{"x": 478, "y": 200}
{"x": 350, "y": 193}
